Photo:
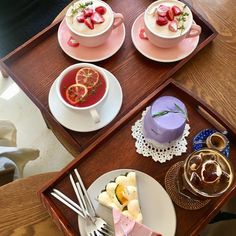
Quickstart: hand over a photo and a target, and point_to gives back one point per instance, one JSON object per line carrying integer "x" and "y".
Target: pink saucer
{"x": 81, "y": 53}
{"x": 185, "y": 48}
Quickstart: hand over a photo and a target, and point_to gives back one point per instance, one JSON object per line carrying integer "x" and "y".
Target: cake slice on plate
{"x": 122, "y": 194}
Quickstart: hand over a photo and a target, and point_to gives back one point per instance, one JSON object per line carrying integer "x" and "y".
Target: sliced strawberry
{"x": 170, "y": 15}
{"x": 176, "y": 10}
{"x": 88, "y": 12}
{"x": 96, "y": 18}
{"x": 72, "y": 43}
{"x": 89, "y": 23}
{"x": 80, "y": 18}
{"x": 162, "y": 10}
{"x": 173, "y": 26}
{"x": 142, "y": 34}
{"x": 161, "y": 20}
{"x": 101, "y": 10}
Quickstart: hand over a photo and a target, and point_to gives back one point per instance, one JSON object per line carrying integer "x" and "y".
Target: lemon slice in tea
{"x": 87, "y": 76}
{"x": 76, "y": 93}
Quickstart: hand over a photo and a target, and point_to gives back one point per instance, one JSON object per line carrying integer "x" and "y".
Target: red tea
{"x": 83, "y": 87}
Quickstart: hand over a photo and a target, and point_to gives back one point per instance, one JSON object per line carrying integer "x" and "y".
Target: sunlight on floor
{"x": 10, "y": 91}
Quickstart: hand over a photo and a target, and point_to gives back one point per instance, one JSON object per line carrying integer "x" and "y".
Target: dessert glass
{"x": 205, "y": 174}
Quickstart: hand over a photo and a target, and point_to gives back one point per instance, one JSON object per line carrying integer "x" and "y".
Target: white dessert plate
{"x": 157, "y": 208}
{"x": 81, "y": 53}
{"x": 184, "y": 48}
{"x": 82, "y": 121}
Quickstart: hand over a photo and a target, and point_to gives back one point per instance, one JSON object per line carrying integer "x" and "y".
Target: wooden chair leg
{"x": 7, "y": 175}
{"x": 4, "y": 73}
{"x": 45, "y": 120}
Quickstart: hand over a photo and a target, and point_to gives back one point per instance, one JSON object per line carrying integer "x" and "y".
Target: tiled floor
{"x": 18, "y": 108}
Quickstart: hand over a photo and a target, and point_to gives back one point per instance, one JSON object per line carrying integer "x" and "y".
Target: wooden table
{"x": 21, "y": 210}
{"x": 210, "y": 74}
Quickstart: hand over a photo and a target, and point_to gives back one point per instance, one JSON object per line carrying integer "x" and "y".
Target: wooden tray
{"x": 116, "y": 150}
{"x": 35, "y": 65}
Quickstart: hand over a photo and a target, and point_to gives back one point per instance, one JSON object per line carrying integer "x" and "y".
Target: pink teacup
{"x": 91, "y": 22}
{"x": 166, "y": 26}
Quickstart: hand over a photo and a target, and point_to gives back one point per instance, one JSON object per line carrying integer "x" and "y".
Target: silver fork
{"x": 67, "y": 201}
{"x": 94, "y": 225}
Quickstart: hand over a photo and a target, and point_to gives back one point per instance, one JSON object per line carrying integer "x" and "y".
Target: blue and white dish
{"x": 200, "y": 138}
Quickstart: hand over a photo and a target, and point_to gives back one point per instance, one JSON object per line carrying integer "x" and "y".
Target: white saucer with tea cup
{"x": 82, "y": 121}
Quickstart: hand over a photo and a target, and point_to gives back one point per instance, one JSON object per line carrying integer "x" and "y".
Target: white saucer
{"x": 82, "y": 121}
{"x": 86, "y": 54}
{"x": 179, "y": 52}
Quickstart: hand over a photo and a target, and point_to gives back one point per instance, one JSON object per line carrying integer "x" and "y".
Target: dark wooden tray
{"x": 36, "y": 64}
{"x": 116, "y": 150}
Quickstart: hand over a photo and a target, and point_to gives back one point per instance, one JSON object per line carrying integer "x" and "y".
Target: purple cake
{"x": 165, "y": 120}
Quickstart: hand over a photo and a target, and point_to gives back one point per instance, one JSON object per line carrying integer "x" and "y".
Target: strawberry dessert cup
{"x": 167, "y": 23}
{"x": 91, "y": 22}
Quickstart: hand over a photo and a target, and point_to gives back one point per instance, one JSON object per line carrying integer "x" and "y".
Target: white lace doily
{"x": 158, "y": 152}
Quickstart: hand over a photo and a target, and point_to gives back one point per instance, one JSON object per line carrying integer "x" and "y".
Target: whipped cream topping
{"x": 131, "y": 206}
